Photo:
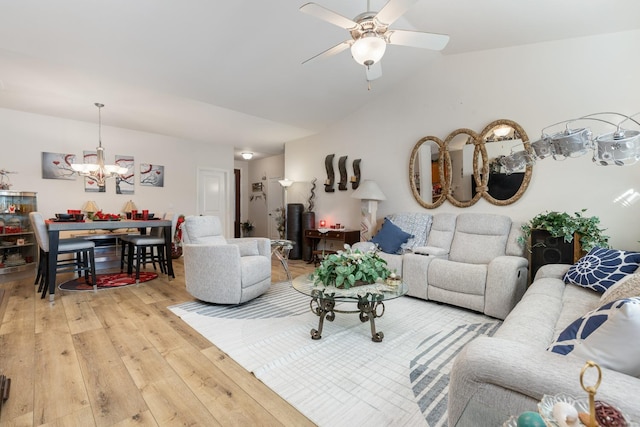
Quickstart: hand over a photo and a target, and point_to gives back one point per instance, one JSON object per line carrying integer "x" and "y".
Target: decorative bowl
{"x": 545, "y": 407}
{"x": 64, "y": 216}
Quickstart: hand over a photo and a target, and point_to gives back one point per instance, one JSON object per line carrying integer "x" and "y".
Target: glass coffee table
{"x": 369, "y": 300}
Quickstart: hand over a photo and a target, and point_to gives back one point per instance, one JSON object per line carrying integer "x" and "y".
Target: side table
{"x": 344, "y": 236}
{"x": 281, "y": 248}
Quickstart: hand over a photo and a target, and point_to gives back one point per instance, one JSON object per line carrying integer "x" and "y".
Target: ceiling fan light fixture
{"x": 368, "y": 49}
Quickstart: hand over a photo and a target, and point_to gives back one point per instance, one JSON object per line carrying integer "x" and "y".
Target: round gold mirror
{"x": 508, "y": 165}
{"x": 463, "y": 151}
{"x": 427, "y": 172}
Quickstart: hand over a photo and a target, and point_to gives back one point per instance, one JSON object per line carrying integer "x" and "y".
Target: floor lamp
{"x": 369, "y": 194}
{"x": 285, "y": 183}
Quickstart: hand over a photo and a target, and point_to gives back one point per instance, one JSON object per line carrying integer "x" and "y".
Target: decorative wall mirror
{"x": 427, "y": 172}
{"x": 495, "y": 164}
{"x": 465, "y": 182}
{"x": 503, "y": 138}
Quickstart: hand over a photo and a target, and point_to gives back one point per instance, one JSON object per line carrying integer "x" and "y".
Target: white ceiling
{"x": 230, "y": 71}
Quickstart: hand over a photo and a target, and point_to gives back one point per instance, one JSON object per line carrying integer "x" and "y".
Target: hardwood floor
{"x": 119, "y": 357}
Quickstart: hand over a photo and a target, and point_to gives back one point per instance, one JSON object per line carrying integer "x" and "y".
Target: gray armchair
{"x": 223, "y": 271}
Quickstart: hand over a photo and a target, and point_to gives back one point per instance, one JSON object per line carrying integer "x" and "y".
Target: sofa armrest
{"x": 519, "y": 375}
{"x": 506, "y": 283}
{"x": 211, "y": 269}
{"x": 364, "y": 246}
{"x": 432, "y": 251}
{"x": 555, "y": 271}
{"x": 264, "y": 244}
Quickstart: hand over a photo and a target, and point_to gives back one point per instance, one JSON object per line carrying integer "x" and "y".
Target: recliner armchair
{"x": 223, "y": 271}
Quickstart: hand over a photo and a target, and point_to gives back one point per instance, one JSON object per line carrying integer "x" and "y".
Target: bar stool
{"x": 82, "y": 261}
{"x": 145, "y": 248}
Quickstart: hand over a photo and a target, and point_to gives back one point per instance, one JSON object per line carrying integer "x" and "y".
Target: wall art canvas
{"x": 58, "y": 166}
{"x": 151, "y": 175}
{"x": 125, "y": 182}
{"x": 90, "y": 184}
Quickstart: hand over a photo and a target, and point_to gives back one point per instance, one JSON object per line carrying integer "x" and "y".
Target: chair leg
{"x": 92, "y": 267}
{"x": 138, "y": 256}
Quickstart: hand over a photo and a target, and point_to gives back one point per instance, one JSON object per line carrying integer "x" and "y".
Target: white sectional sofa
{"x": 507, "y": 374}
{"x": 471, "y": 260}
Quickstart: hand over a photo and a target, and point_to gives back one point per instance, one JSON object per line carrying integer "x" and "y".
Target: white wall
{"x": 25, "y": 136}
{"x": 534, "y": 85}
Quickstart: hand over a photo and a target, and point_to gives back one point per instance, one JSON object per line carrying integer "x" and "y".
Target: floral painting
{"x": 90, "y": 183}
{"x": 58, "y": 166}
{"x": 125, "y": 182}
{"x": 151, "y": 175}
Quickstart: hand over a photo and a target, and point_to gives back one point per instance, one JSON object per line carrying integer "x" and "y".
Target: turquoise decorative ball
{"x": 530, "y": 419}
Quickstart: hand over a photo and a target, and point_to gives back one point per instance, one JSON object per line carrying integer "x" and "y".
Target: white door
{"x": 213, "y": 196}
{"x": 274, "y": 201}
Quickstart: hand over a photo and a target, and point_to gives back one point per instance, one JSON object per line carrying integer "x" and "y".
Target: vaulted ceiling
{"x": 231, "y": 71}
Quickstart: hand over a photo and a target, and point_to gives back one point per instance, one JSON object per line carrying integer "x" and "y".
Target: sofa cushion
{"x": 602, "y": 267}
{"x": 248, "y": 247}
{"x": 627, "y": 287}
{"x": 390, "y": 237}
{"x": 479, "y": 238}
{"x": 417, "y": 224}
{"x": 608, "y": 335}
{"x": 442, "y": 228}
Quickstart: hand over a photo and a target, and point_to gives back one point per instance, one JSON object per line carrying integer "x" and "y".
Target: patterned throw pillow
{"x": 601, "y": 268}
{"x": 627, "y": 287}
{"x": 609, "y": 335}
{"x": 416, "y": 223}
{"x": 390, "y": 237}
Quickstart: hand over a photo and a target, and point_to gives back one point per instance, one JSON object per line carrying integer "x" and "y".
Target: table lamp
{"x": 128, "y": 207}
{"x": 90, "y": 207}
{"x": 369, "y": 193}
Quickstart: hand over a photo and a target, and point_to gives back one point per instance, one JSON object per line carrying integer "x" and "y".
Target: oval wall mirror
{"x": 505, "y": 140}
{"x": 427, "y": 172}
{"x": 464, "y": 182}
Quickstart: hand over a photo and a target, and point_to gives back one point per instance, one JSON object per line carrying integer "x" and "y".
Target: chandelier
{"x": 619, "y": 147}
{"x": 98, "y": 171}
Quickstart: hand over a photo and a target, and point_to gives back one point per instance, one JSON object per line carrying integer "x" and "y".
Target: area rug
{"x": 108, "y": 280}
{"x": 345, "y": 379}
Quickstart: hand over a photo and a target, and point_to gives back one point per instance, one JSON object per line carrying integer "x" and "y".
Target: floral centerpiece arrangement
{"x": 348, "y": 268}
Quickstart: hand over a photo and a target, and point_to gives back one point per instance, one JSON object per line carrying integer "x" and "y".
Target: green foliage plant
{"x": 561, "y": 224}
{"x": 347, "y": 268}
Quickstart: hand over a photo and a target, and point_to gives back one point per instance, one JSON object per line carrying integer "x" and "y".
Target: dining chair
{"x": 143, "y": 249}
{"x": 83, "y": 260}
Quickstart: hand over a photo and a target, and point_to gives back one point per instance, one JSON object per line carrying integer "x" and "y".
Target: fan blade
{"x": 374, "y": 71}
{"x": 331, "y": 51}
{"x": 393, "y": 10}
{"x": 328, "y": 15}
{"x": 431, "y": 41}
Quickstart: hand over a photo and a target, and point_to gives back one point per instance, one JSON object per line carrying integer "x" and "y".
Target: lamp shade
{"x": 618, "y": 148}
{"x": 91, "y": 206}
{"x": 129, "y": 206}
{"x": 368, "y": 190}
{"x": 368, "y": 49}
{"x": 572, "y": 142}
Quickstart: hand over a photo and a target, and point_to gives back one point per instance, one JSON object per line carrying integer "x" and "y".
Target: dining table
{"x": 55, "y": 227}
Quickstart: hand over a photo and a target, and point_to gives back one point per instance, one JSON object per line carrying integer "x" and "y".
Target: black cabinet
{"x": 546, "y": 249}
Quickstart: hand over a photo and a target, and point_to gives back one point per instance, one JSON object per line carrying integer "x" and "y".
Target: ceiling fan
{"x": 370, "y": 34}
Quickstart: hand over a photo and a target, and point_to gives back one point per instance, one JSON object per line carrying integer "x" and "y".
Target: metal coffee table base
{"x": 324, "y": 308}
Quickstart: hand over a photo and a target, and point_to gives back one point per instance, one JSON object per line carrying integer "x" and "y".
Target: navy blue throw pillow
{"x": 601, "y": 268}
{"x": 390, "y": 237}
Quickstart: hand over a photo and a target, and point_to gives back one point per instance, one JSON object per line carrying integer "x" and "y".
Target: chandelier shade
{"x": 98, "y": 171}
{"x": 368, "y": 49}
